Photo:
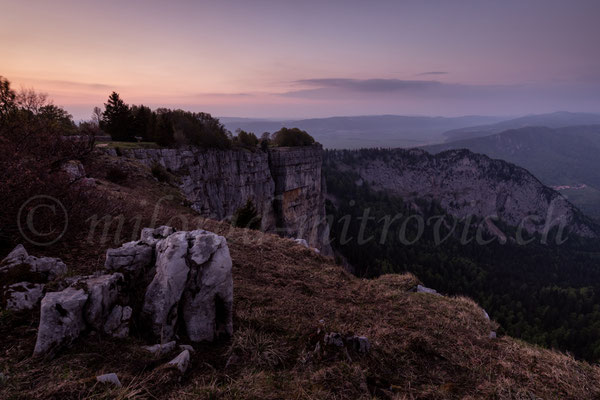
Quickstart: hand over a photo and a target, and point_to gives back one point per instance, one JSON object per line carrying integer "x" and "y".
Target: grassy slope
{"x": 423, "y": 346}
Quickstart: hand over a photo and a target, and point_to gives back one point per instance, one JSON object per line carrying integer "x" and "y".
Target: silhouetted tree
{"x": 117, "y": 119}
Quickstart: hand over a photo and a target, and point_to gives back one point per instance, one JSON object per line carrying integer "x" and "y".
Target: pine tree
{"x": 117, "y": 119}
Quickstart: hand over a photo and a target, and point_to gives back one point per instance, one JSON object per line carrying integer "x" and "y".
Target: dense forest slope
{"x": 286, "y": 297}
{"x": 565, "y": 158}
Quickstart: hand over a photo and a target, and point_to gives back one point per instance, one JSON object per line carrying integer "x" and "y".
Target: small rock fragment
{"x": 423, "y": 289}
{"x": 492, "y": 335}
{"x": 181, "y": 362}
{"x": 160, "y": 349}
{"x": 187, "y": 347}
{"x": 111, "y": 378}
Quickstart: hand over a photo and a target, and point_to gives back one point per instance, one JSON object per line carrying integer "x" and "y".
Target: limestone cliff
{"x": 467, "y": 184}
{"x": 285, "y": 185}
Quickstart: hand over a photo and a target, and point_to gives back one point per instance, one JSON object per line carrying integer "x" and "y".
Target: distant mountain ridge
{"x": 557, "y": 119}
{"x": 366, "y": 131}
{"x": 565, "y": 158}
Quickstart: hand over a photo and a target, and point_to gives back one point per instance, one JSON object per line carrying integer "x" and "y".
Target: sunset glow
{"x": 286, "y": 59}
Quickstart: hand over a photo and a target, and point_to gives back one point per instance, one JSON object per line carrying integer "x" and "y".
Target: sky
{"x": 298, "y": 59}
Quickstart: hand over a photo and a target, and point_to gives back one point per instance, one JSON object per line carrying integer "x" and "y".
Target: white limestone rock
{"x": 103, "y": 292}
{"x": 423, "y": 289}
{"x": 111, "y": 378}
{"x": 208, "y": 298}
{"x": 161, "y": 349}
{"x": 23, "y": 296}
{"x": 181, "y": 362}
{"x": 301, "y": 242}
{"x": 47, "y": 267}
{"x": 61, "y": 320}
{"x": 162, "y": 297}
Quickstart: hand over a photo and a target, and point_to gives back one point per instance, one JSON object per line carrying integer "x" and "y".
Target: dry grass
{"x": 423, "y": 346}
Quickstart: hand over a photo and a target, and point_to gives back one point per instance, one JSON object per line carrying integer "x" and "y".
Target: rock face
{"x": 193, "y": 276}
{"x": 103, "y": 292}
{"x": 285, "y": 185}
{"x": 117, "y": 323}
{"x": 468, "y": 184}
{"x": 61, "y": 319}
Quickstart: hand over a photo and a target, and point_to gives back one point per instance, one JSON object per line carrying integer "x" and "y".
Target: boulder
{"x": 161, "y": 301}
{"x": 423, "y": 289}
{"x": 23, "y": 296}
{"x": 17, "y": 256}
{"x": 208, "y": 298}
{"x": 111, "y": 378}
{"x": 131, "y": 259}
{"x": 117, "y": 323}
{"x": 61, "y": 320}
{"x": 160, "y": 349}
{"x": 103, "y": 291}
{"x": 301, "y": 242}
{"x": 48, "y": 268}
{"x": 181, "y": 362}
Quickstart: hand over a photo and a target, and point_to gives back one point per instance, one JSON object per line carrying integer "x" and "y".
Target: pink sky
{"x": 292, "y": 59}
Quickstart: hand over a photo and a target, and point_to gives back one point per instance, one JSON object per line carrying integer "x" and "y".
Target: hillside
{"x": 366, "y": 131}
{"x": 566, "y": 158}
{"x": 285, "y": 297}
{"x": 557, "y": 119}
{"x": 397, "y": 211}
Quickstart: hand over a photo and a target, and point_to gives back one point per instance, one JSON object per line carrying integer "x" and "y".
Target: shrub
{"x": 292, "y": 137}
{"x": 246, "y": 139}
{"x": 247, "y": 217}
{"x": 160, "y": 173}
{"x": 116, "y": 175}
{"x": 33, "y": 151}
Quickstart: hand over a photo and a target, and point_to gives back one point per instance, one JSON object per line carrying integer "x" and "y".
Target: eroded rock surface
{"x": 61, "y": 319}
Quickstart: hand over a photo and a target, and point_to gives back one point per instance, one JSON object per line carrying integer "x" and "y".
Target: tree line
{"x": 170, "y": 128}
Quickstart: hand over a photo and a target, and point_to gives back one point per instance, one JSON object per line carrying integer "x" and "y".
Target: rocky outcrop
{"x": 23, "y": 278}
{"x": 190, "y": 292}
{"x": 284, "y": 184}
{"x": 45, "y": 267}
